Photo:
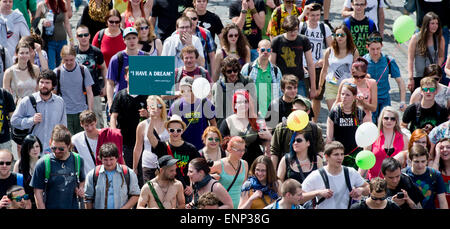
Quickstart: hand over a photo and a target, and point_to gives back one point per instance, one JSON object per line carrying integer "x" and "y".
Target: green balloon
{"x": 403, "y": 28}
{"x": 365, "y": 159}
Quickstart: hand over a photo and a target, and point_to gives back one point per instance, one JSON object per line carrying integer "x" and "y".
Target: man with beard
{"x": 50, "y": 107}
{"x": 163, "y": 191}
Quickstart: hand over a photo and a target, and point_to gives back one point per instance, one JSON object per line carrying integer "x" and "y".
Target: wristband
{"x": 244, "y": 11}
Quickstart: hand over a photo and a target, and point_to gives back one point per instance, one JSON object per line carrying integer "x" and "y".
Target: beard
{"x": 44, "y": 91}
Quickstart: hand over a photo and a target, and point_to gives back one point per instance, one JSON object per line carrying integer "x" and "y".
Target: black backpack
{"x": 324, "y": 176}
{"x": 101, "y": 33}
{"x": 3, "y": 55}
{"x": 322, "y": 30}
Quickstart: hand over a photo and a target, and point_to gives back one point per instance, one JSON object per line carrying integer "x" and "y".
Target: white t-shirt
{"x": 341, "y": 195}
{"x": 371, "y": 9}
{"x": 79, "y": 142}
{"x": 315, "y": 37}
{"x": 173, "y": 46}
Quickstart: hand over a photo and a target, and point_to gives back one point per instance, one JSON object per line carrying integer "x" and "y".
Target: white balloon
{"x": 201, "y": 88}
{"x": 366, "y": 134}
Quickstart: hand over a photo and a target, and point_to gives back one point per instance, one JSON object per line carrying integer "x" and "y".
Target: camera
{"x": 400, "y": 195}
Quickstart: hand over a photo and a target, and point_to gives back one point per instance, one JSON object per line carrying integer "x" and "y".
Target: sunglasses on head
{"x": 377, "y": 39}
{"x": 429, "y": 89}
{"x": 375, "y": 198}
{"x": 389, "y": 118}
{"x": 19, "y": 198}
{"x": 171, "y": 130}
{"x": 215, "y": 139}
{"x": 264, "y": 49}
{"x": 339, "y": 34}
{"x": 54, "y": 148}
{"x": 298, "y": 140}
{"x": 5, "y": 162}
{"x": 83, "y": 35}
{"x": 359, "y": 77}
{"x": 350, "y": 84}
{"x": 113, "y": 22}
{"x": 144, "y": 27}
{"x": 235, "y": 70}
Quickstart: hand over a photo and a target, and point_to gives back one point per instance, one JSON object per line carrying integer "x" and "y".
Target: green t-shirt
{"x": 22, "y": 6}
{"x": 264, "y": 77}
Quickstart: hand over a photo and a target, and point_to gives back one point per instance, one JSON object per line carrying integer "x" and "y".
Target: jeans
{"x": 302, "y": 89}
{"x": 54, "y": 53}
{"x": 381, "y": 104}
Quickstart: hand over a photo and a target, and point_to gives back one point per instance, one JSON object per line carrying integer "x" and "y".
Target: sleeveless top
{"x": 129, "y": 22}
{"x": 290, "y": 173}
{"x": 226, "y": 179}
{"x": 366, "y": 93}
{"x": 149, "y": 159}
{"x": 20, "y": 88}
{"x": 241, "y": 60}
{"x": 339, "y": 69}
{"x": 249, "y": 135}
{"x": 146, "y": 47}
{"x": 59, "y": 32}
{"x": 380, "y": 153}
{"x": 420, "y": 62}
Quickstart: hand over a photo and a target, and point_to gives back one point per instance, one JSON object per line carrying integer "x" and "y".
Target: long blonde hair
{"x": 396, "y": 115}
{"x": 160, "y": 101}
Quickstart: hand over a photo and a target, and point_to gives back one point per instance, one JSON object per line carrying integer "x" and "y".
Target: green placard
{"x": 152, "y": 75}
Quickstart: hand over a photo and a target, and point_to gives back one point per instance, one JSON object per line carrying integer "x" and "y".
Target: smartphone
{"x": 400, "y": 195}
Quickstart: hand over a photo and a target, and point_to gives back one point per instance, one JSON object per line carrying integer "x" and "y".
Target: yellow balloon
{"x": 297, "y": 120}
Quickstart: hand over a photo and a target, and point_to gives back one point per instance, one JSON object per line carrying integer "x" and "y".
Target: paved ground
{"x": 398, "y": 51}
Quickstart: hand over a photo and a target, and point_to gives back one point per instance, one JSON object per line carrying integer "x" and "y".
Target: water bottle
{"x": 49, "y": 30}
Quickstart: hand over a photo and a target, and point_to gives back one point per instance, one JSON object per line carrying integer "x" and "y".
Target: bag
{"x": 3, "y": 56}
{"x": 410, "y": 5}
{"x": 155, "y": 195}
{"x": 19, "y": 135}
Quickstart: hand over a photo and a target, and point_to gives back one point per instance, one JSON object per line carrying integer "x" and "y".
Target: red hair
{"x": 251, "y": 107}
{"x": 418, "y": 134}
{"x": 56, "y": 5}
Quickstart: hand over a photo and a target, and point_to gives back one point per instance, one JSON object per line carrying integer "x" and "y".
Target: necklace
{"x": 22, "y": 69}
{"x": 235, "y": 169}
{"x": 162, "y": 190}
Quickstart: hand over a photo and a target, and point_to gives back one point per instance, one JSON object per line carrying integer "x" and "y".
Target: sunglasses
{"x": 339, "y": 35}
{"x": 159, "y": 106}
{"x": 374, "y": 198}
{"x": 264, "y": 49}
{"x": 177, "y": 130}
{"x": 298, "y": 140}
{"x": 389, "y": 118}
{"x": 215, "y": 139}
{"x": 83, "y": 35}
{"x": 144, "y": 27}
{"x": 114, "y": 22}
{"x": 5, "y": 162}
{"x": 429, "y": 89}
{"x": 19, "y": 198}
{"x": 194, "y": 18}
{"x": 235, "y": 70}
{"x": 54, "y": 148}
{"x": 233, "y": 35}
{"x": 359, "y": 77}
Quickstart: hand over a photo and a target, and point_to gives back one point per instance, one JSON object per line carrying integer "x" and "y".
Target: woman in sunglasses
{"x": 29, "y": 154}
{"x": 243, "y": 123}
{"x": 136, "y": 9}
{"x": 367, "y": 87}
{"x": 343, "y": 121}
{"x": 301, "y": 160}
{"x": 146, "y": 166}
{"x": 390, "y": 142}
{"x": 337, "y": 64}
{"x": 418, "y": 137}
{"x": 112, "y": 40}
{"x": 148, "y": 42}
{"x": 212, "y": 138}
{"x": 233, "y": 43}
{"x": 442, "y": 96}
{"x": 377, "y": 198}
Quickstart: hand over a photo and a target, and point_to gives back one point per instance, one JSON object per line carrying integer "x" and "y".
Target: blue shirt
{"x": 380, "y": 71}
{"x": 430, "y": 184}
{"x": 110, "y": 175}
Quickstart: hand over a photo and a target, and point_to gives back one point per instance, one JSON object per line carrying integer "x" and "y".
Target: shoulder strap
{"x": 120, "y": 60}
{"x": 418, "y": 113}
{"x": 77, "y": 165}
{"x": 371, "y": 25}
{"x": 304, "y": 28}
{"x": 92, "y": 153}
{"x": 58, "y": 81}
{"x": 47, "y": 167}
{"x": 347, "y": 22}
{"x": 100, "y": 37}
{"x": 322, "y": 30}
{"x": 3, "y": 55}
{"x": 126, "y": 174}
{"x": 169, "y": 151}
{"x": 19, "y": 178}
{"x": 178, "y": 75}
{"x": 203, "y": 33}
{"x": 324, "y": 176}
{"x": 389, "y": 64}
{"x": 348, "y": 183}
{"x": 155, "y": 195}
{"x": 203, "y": 72}
{"x": 83, "y": 86}
{"x": 95, "y": 176}
{"x": 235, "y": 176}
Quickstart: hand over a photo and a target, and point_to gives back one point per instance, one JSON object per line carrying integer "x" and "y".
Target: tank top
{"x": 226, "y": 179}
{"x": 59, "y": 32}
{"x": 146, "y": 47}
{"x": 420, "y": 62}
{"x": 380, "y": 153}
{"x": 241, "y": 60}
{"x": 366, "y": 93}
{"x": 21, "y": 88}
{"x": 339, "y": 69}
{"x": 149, "y": 159}
{"x": 290, "y": 173}
{"x": 249, "y": 135}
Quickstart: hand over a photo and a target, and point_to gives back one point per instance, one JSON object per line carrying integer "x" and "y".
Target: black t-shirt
{"x": 360, "y": 31}
{"x": 211, "y": 22}
{"x": 363, "y": 205}
{"x": 413, "y": 191}
{"x": 250, "y": 30}
{"x": 92, "y": 59}
{"x": 440, "y": 8}
{"x": 185, "y": 153}
{"x": 279, "y": 107}
{"x": 419, "y": 118}
{"x": 128, "y": 107}
{"x": 7, "y": 105}
{"x": 167, "y": 13}
{"x": 290, "y": 54}
{"x": 7, "y": 183}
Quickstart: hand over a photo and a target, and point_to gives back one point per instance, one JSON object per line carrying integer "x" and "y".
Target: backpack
{"x": 19, "y": 179}
{"x": 324, "y": 176}
{"x": 3, "y": 55}
{"x": 58, "y": 81}
{"x": 250, "y": 68}
{"x": 322, "y": 30}
{"x": 18, "y": 135}
{"x": 47, "y": 166}
{"x": 180, "y": 72}
{"x": 100, "y": 36}
{"x": 125, "y": 172}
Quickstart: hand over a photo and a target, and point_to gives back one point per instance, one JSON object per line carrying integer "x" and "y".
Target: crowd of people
{"x": 85, "y": 142}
